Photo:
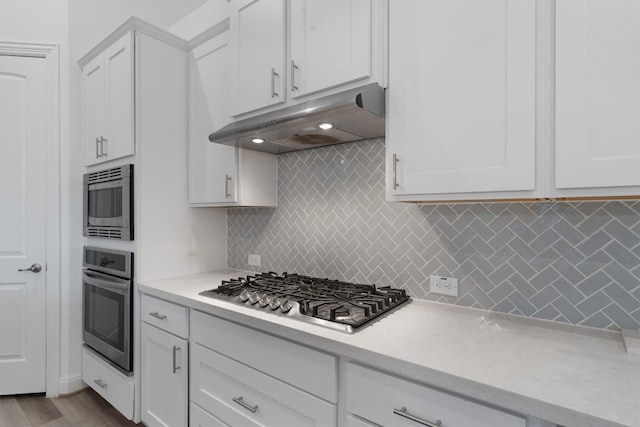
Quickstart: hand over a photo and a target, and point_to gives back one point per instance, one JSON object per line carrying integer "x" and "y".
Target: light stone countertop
{"x": 569, "y": 375}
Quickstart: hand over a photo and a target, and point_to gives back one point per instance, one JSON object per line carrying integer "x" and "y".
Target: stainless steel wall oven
{"x": 107, "y": 304}
{"x": 108, "y": 203}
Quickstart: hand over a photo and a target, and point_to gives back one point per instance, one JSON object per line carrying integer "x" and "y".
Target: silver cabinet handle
{"x": 395, "y": 171}
{"x": 227, "y": 178}
{"x": 35, "y": 268}
{"x": 403, "y": 413}
{"x": 100, "y": 383}
{"x": 294, "y": 67}
{"x": 175, "y": 350}
{"x": 102, "y": 150}
{"x": 158, "y": 315}
{"x": 97, "y": 148}
{"x": 244, "y": 404}
{"x": 273, "y": 83}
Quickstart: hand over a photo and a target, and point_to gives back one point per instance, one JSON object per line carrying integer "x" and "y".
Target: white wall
{"x": 76, "y": 26}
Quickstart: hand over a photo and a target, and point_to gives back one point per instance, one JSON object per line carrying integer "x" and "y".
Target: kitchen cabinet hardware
{"x": 35, "y": 268}
{"x": 175, "y": 350}
{"x": 274, "y": 94}
{"x": 294, "y": 67}
{"x": 403, "y": 413}
{"x": 245, "y": 405}
{"x": 102, "y": 150}
{"x": 227, "y": 178}
{"x": 395, "y": 171}
{"x": 97, "y": 148}
{"x": 100, "y": 383}
{"x": 158, "y": 315}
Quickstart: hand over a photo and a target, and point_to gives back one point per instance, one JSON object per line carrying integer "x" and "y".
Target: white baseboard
{"x": 70, "y": 385}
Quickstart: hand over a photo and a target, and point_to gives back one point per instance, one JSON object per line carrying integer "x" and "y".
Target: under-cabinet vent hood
{"x": 347, "y": 116}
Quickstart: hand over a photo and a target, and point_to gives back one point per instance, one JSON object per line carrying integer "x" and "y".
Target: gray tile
{"x": 481, "y": 297}
{"x": 501, "y": 256}
{"x": 547, "y": 313}
{"x": 522, "y": 213}
{"x": 594, "y": 243}
{"x": 568, "y": 252}
{"x": 568, "y": 310}
{"x": 588, "y": 208}
{"x": 521, "y": 230}
{"x": 544, "y": 297}
{"x": 545, "y": 221}
{"x": 545, "y": 259}
{"x": 522, "y": 249}
{"x": 523, "y": 305}
{"x": 622, "y": 234}
{"x": 593, "y": 304}
{"x": 568, "y": 271}
{"x": 598, "y": 320}
{"x": 500, "y": 222}
{"x": 481, "y": 212}
{"x": 568, "y": 232}
{"x": 482, "y": 230}
{"x": 568, "y": 213}
{"x": 568, "y": 291}
{"x": 501, "y": 239}
{"x": 594, "y": 263}
{"x": 498, "y": 208}
{"x": 501, "y": 291}
{"x": 621, "y": 297}
{"x": 482, "y": 246}
{"x": 504, "y": 306}
{"x": 544, "y": 278}
{"x": 623, "y": 213}
{"x": 622, "y": 276}
{"x": 544, "y": 241}
{"x": 522, "y": 285}
{"x": 621, "y": 255}
{"x": 620, "y": 317}
{"x": 482, "y": 264}
{"x": 501, "y": 274}
{"x": 522, "y": 267}
{"x": 594, "y": 223}
{"x": 593, "y": 284}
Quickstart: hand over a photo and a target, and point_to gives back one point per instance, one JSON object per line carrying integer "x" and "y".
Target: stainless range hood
{"x": 354, "y": 115}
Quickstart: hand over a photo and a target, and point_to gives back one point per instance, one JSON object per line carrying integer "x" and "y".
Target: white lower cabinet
{"x": 164, "y": 364}
{"x": 384, "y": 399}
{"x": 115, "y": 387}
{"x": 243, "y": 377}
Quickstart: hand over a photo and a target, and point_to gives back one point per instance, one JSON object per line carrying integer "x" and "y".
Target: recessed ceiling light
{"x": 257, "y": 140}
{"x": 325, "y": 126}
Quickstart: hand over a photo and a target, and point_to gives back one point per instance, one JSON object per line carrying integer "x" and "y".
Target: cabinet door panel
{"x": 597, "y": 93}
{"x": 330, "y": 43}
{"x": 118, "y": 60}
{"x": 93, "y": 76}
{"x": 164, "y": 379}
{"x": 461, "y": 97}
{"x": 257, "y": 56}
{"x": 210, "y": 164}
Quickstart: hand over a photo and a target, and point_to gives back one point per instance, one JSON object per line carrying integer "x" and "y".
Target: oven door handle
{"x": 105, "y": 281}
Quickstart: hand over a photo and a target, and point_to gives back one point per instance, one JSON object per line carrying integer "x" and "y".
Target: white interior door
{"x": 23, "y": 169}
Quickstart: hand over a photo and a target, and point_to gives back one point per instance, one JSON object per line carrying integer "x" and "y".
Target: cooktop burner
{"x": 332, "y": 303}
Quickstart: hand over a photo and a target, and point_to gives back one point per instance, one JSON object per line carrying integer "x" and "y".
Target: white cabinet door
{"x": 164, "y": 378}
{"x": 597, "y": 140}
{"x": 109, "y": 103}
{"x": 461, "y": 99}
{"x": 257, "y": 57}
{"x": 330, "y": 44}
{"x": 93, "y": 98}
{"x": 119, "y": 96}
{"x": 212, "y": 167}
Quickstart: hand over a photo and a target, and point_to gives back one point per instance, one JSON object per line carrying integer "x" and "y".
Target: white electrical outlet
{"x": 444, "y": 285}
{"x": 254, "y": 260}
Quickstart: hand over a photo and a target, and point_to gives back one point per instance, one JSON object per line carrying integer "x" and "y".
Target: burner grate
{"x": 324, "y": 301}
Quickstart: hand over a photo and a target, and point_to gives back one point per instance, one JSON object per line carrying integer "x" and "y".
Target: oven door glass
{"x": 105, "y": 204}
{"x": 107, "y": 316}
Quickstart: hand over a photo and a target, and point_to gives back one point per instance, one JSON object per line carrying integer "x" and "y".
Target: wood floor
{"x": 83, "y": 409}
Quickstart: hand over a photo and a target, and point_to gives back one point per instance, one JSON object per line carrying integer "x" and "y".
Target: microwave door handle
{"x": 106, "y": 282}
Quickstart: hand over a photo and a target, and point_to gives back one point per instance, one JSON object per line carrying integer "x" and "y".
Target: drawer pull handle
{"x": 100, "y": 383}
{"x": 244, "y": 404}
{"x": 158, "y": 315}
{"x": 403, "y": 413}
{"x": 175, "y": 350}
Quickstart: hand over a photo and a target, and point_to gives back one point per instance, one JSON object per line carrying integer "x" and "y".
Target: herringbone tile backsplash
{"x": 575, "y": 262}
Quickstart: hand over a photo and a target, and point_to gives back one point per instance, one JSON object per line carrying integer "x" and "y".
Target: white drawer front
{"x": 301, "y": 366}
{"x": 375, "y": 395}
{"x": 116, "y": 388}
{"x": 242, "y": 396}
{"x": 198, "y": 417}
{"x": 166, "y": 315}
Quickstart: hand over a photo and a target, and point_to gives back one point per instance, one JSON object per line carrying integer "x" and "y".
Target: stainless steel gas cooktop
{"x": 338, "y": 305}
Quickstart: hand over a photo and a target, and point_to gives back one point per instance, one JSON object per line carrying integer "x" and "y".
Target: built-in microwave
{"x": 108, "y": 203}
{"x": 107, "y": 308}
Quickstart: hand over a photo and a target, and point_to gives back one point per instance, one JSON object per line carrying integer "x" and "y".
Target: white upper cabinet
{"x": 221, "y": 175}
{"x": 330, "y": 44}
{"x": 287, "y": 51}
{"x": 597, "y": 135}
{"x": 461, "y": 100}
{"x": 109, "y": 103}
{"x": 257, "y": 57}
